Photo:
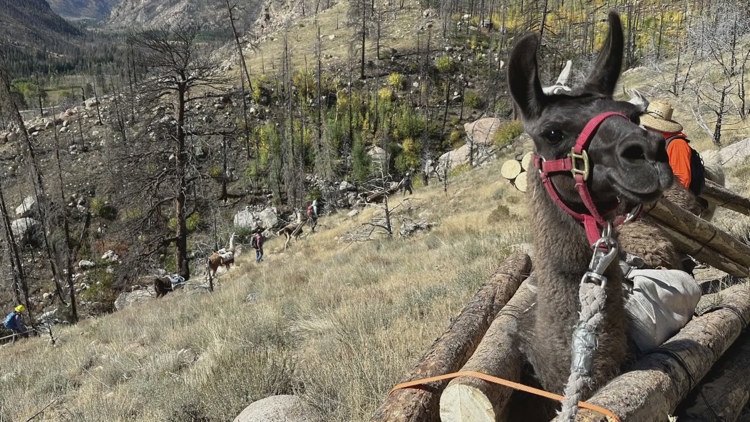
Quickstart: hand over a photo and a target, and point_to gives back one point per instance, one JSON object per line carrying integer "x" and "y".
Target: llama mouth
{"x": 639, "y": 195}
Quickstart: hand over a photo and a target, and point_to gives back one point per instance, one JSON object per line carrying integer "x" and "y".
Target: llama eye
{"x": 554, "y": 136}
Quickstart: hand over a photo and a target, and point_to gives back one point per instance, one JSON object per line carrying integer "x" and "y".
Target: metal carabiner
{"x": 605, "y": 252}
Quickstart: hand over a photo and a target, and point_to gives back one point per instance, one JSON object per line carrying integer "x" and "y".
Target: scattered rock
{"x": 282, "y": 408}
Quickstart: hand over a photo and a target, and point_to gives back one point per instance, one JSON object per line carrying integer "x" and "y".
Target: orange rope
{"x": 510, "y": 384}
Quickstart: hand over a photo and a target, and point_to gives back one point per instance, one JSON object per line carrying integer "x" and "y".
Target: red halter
{"x": 577, "y": 162}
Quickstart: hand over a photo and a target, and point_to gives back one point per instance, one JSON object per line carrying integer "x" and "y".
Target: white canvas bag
{"x": 659, "y": 304}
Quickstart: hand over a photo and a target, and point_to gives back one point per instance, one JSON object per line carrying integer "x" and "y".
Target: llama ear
{"x": 609, "y": 63}
{"x": 523, "y": 77}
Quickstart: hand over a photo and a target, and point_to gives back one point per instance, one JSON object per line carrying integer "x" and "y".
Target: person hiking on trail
{"x": 406, "y": 183}
{"x": 257, "y": 243}
{"x": 658, "y": 118}
{"x": 312, "y": 214}
{"x": 14, "y": 321}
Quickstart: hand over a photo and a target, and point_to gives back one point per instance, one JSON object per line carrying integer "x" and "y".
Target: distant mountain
{"x": 145, "y": 14}
{"x": 32, "y": 20}
{"x": 31, "y": 33}
{"x": 75, "y": 10}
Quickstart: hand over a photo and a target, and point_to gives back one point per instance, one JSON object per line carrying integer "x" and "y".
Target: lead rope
{"x": 592, "y": 296}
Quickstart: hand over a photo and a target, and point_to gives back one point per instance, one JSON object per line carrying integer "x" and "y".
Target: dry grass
{"x": 335, "y": 322}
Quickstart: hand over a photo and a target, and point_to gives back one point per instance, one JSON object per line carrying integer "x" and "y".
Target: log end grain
{"x": 461, "y": 402}
{"x": 520, "y": 181}
{"x": 510, "y": 169}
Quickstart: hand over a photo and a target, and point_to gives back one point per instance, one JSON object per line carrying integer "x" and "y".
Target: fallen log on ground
{"x": 656, "y": 383}
{"x": 701, "y": 231}
{"x": 726, "y": 389}
{"x": 449, "y": 352}
{"x": 723, "y": 197}
{"x": 473, "y": 399}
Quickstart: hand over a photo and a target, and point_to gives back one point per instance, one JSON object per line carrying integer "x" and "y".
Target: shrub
{"x": 385, "y": 94}
{"x": 456, "y": 137}
{"x": 473, "y": 100}
{"x": 409, "y": 157}
{"x": 408, "y": 124}
{"x": 103, "y": 209}
{"x": 507, "y": 132}
{"x": 215, "y": 172}
{"x": 361, "y": 162}
{"x": 499, "y": 214}
{"x": 445, "y": 64}
{"x": 396, "y": 81}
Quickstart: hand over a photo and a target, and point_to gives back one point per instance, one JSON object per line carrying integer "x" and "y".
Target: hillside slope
{"x": 83, "y": 9}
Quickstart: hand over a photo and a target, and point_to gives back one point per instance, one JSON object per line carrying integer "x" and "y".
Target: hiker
{"x": 257, "y": 243}
{"x": 686, "y": 164}
{"x": 406, "y": 183}
{"x": 14, "y": 322}
{"x": 312, "y": 214}
{"x": 658, "y": 118}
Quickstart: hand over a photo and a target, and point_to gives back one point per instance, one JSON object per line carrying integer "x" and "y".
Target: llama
{"x": 167, "y": 283}
{"x": 621, "y": 166}
{"x": 291, "y": 230}
{"x": 222, "y": 257}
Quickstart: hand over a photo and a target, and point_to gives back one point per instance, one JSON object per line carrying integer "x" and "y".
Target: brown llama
{"x": 620, "y": 166}
{"x": 163, "y": 284}
{"x": 291, "y": 230}
{"x": 222, "y": 257}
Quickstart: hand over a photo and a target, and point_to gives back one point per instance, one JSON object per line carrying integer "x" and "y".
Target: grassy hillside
{"x": 336, "y": 322}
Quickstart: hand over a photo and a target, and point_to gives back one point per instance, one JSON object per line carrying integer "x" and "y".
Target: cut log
{"x": 526, "y": 160}
{"x": 701, "y": 231}
{"x": 704, "y": 253}
{"x": 449, "y": 352}
{"x": 510, "y": 169}
{"x": 726, "y": 389}
{"x": 520, "y": 181}
{"x": 473, "y": 399}
{"x": 656, "y": 383}
{"x": 723, "y": 197}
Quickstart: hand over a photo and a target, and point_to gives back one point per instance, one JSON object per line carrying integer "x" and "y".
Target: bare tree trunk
{"x": 66, "y": 230}
{"x": 364, "y": 36}
{"x": 20, "y": 288}
{"x": 230, "y": 10}
{"x": 181, "y": 258}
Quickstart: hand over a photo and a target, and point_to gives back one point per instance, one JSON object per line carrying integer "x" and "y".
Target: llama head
{"x": 627, "y": 164}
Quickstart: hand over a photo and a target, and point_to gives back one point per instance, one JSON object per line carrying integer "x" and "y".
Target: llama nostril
{"x": 634, "y": 152}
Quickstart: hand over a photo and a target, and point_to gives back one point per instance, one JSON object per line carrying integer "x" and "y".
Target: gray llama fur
{"x": 559, "y": 277}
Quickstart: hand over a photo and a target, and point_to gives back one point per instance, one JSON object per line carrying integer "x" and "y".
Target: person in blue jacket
{"x": 14, "y": 321}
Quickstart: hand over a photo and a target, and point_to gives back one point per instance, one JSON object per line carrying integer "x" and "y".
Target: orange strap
{"x": 510, "y": 384}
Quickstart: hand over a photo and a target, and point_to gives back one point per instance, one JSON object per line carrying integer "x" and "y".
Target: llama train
{"x": 595, "y": 164}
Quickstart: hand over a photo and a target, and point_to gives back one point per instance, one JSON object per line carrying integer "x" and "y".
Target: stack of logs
{"x": 515, "y": 171}
{"x": 702, "y": 373}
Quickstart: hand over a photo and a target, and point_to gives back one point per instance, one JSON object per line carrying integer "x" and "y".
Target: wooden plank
{"x": 449, "y": 352}
{"x": 656, "y": 383}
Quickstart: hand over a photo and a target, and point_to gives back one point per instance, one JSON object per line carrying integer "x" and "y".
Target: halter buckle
{"x": 583, "y": 159}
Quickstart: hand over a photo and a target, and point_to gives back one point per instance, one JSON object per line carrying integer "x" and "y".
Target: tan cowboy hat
{"x": 659, "y": 117}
